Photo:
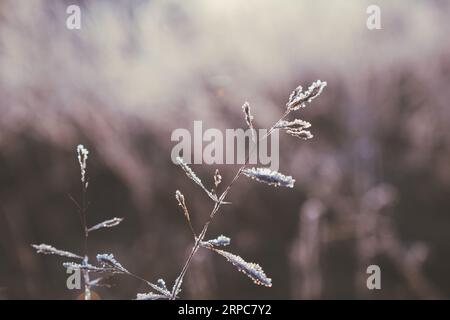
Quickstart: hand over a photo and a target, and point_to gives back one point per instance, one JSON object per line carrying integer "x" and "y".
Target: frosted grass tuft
{"x": 298, "y": 98}
{"x": 295, "y": 124}
{"x": 252, "y": 270}
{"x": 302, "y": 134}
{"x": 191, "y": 175}
{"x": 106, "y": 224}
{"x": 86, "y": 267}
{"x": 151, "y": 296}
{"x": 220, "y": 241}
{"x": 83, "y": 154}
{"x": 176, "y": 289}
{"x": 109, "y": 262}
{"x": 160, "y": 288}
{"x": 162, "y": 284}
{"x": 269, "y": 177}
{"x": 296, "y": 128}
{"x": 47, "y": 249}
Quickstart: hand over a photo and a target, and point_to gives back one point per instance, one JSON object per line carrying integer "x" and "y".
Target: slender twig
{"x": 75, "y": 202}
{"x": 87, "y": 287}
{"x": 192, "y": 229}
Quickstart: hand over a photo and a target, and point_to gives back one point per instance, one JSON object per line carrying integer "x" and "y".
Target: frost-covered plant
{"x": 107, "y": 263}
{"x": 82, "y": 207}
{"x": 298, "y": 99}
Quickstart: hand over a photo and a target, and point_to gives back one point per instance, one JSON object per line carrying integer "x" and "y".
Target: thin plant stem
{"x": 87, "y": 287}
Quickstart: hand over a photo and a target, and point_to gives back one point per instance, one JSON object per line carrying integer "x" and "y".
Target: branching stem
{"x": 215, "y": 209}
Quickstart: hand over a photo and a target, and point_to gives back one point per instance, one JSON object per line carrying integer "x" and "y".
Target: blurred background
{"x": 372, "y": 186}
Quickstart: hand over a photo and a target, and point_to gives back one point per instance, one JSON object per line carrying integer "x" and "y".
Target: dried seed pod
{"x": 249, "y": 119}
{"x": 180, "y": 198}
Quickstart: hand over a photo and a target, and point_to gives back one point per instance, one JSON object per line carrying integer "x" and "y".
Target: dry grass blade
{"x": 176, "y": 289}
